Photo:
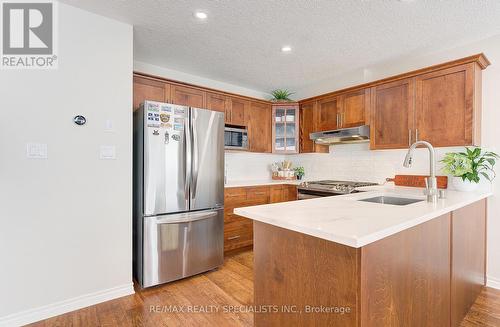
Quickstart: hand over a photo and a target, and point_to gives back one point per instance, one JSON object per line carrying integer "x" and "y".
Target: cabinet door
{"x": 307, "y": 126}
{"x": 149, "y": 89}
{"x": 188, "y": 96}
{"x": 444, "y": 106}
{"x": 328, "y": 114}
{"x": 289, "y": 192}
{"x": 276, "y": 193}
{"x": 392, "y": 109}
{"x": 238, "y": 107}
{"x": 217, "y": 102}
{"x": 258, "y": 119}
{"x": 355, "y": 108}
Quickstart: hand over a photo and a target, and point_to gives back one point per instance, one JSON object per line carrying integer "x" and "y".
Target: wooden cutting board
{"x": 417, "y": 180}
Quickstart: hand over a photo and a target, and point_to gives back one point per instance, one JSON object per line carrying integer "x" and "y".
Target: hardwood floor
{"x": 485, "y": 311}
{"x": 231, "y": 285}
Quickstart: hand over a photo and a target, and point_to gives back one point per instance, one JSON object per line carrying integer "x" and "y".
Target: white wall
{"x": 66, "y": 222}
{"x": 247, "y": 166}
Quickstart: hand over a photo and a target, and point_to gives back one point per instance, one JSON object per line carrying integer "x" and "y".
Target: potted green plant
{"x": 299, "y": 172}
{"x": 466, "y": 168}
{"x": 281, "y": 95}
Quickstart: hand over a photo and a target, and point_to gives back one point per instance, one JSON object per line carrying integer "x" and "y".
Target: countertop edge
{"x": 365, "y": 240}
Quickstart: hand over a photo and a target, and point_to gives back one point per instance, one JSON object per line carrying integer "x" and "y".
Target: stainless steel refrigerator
{"x": 178, "y": 192}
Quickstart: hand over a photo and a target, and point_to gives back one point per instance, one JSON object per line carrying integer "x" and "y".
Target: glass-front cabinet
{"x": 286, "y": 127}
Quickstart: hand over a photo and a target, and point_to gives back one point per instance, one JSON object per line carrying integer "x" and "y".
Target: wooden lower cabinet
{"x": 283, "y": 193}
{"x": 428, "y": 275}
{"x": 238, "y": 231}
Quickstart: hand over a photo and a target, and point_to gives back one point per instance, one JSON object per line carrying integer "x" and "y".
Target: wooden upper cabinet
{"x": 217, "y": 102}
{"x": 307, "y": 116}
{"x": 237, "y": 107}
{"x": 392, "y": 115}
{"x": 355, "y": 109}
{"x": 187, "y": 96}
{"x": 258, "y": 119}
{"x": 149, "y": 89}
{"x": 328, "y": 113}
{"x": 285, "y": 127}
{"x": 444, "y": 107}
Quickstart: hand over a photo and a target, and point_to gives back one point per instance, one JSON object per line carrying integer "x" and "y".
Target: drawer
{"x": 238, "y": 234}
{"x": 230, "y": 217}
{"x": 235, "y": 192}
{"x": 234, "y": 196}
{"x": 259, "y": 192}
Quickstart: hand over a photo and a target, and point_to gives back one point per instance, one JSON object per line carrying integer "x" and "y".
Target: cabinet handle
{"x": 416, "y": 135}
{"x": 338, "y": 123}
{"x": 409, "y": 137}
{"x": 233, "y": 237}
{"x": 260, "y": 193}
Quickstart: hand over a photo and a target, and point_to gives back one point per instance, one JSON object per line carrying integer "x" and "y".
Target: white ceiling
{"x": 240, "y": 41}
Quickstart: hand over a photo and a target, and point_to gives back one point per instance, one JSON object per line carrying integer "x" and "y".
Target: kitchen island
{"x": 339, "y": 261}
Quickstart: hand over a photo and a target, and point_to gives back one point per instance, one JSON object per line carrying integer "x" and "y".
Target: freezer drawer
{"x": 182, "y": 245}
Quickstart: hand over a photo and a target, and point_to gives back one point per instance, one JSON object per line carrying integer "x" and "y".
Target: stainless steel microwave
{"x": 235, "y": 138}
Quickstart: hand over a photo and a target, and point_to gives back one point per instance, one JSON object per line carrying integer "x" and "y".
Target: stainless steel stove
{"x": 316, "y": 189}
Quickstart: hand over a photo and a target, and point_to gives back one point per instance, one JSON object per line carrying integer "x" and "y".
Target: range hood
{"x": 341, "y": 136}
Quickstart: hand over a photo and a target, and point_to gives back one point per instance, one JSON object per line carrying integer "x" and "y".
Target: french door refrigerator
{"x": 178, "y": 192}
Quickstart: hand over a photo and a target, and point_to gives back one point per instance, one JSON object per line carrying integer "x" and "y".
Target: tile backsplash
{"x": 344, "y": 162}
{"x": 357, "y": 162}
{"x": 248, "y": 166}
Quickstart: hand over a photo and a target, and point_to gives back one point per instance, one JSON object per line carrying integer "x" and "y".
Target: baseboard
{"x": 493, "y": 282}
{"x": 58, "y": 308}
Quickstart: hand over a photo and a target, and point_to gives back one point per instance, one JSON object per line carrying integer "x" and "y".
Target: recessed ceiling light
{"x": 200, "y": 15}
{"x": 286, "y": 48}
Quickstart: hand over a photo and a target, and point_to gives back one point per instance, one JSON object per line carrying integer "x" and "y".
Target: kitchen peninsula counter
{"x": 342, "y": 262}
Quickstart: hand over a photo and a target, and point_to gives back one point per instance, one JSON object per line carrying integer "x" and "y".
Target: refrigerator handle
{"x": 187, "y": 218}
{"x": 187, "y": 157}
{"x": 195, "y": 155}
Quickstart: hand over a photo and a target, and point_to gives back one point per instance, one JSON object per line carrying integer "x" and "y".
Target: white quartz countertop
{"x": 244, "y": 183}
{"x": 343, "y": 219}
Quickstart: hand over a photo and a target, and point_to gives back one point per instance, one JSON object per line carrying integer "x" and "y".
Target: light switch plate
{"x": 109, "y": 126}
{"x": 107, "y": 152}
{"x": 36, "y": 150}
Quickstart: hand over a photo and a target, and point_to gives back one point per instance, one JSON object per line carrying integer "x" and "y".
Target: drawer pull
{"x": 260, "y": 193}
{"x": 233, "y": 237}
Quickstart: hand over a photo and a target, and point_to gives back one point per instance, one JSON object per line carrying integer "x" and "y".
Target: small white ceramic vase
{"x": 463, "y": 185}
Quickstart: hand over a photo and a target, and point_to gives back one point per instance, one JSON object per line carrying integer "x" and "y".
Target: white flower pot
{"x": 463, "y": 186}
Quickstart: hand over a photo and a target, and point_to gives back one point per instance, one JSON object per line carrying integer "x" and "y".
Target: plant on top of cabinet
{"x": 281, "y": 95}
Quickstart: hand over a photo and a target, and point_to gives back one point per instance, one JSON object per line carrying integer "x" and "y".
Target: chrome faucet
{"x": 430, "y": 182}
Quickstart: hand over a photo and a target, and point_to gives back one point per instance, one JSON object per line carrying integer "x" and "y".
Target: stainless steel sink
{"x": 397, "y": 201}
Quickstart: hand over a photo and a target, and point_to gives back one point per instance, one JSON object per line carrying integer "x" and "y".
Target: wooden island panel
{"x": 405, "y": 278}
{"x": 427, "y": 275}
{"x": 294, "y": 269}
{"x": 468, "y": 269}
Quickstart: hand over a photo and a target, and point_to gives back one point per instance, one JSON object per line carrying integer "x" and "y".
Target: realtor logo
{"x": 28, "y": 35}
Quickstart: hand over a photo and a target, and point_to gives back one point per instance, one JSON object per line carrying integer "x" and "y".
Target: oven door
{"x": 304, "y": 194}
